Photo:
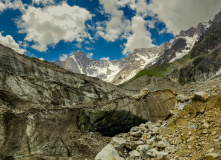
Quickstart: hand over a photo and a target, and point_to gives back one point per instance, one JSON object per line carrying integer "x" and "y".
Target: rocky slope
{"x": 192, "y": 132}
{"x": 183, "y": 43}
{"x": 47, "y": 112}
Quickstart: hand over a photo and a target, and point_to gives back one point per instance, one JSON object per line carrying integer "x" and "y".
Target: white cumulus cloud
{"x": 2, "y": 6}
{"x": 63, "y": 57}
{"x": 44, "y": 2}
{"x": 10, "y": 42}
{"x": 12, "y": 4}
{"x": 42, "y": 59}
{"x": 49, "y": 25}
{"x": 104, "y": 59}
{"x": 140, "y": 38}
{"x": 90, "y": 55}
{"x": 116, "y": 26}
{"x": 182, "y": 14}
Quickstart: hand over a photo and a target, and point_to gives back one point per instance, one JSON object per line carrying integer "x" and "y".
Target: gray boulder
{"x": 213, "y": 156}
{"x": 201, "y": 96}
{"x": 118, "y": 143}
{"x": 108, "y": 153}
{"x": 182, "y": 98}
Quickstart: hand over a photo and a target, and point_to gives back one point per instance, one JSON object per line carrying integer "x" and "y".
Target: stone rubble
{"x": 193, "y": 132}
{"x": 108, "y": 153}
{"x": 200, "y": 96}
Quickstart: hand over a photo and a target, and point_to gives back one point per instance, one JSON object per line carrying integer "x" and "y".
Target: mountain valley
{"x": 159, "y": 103}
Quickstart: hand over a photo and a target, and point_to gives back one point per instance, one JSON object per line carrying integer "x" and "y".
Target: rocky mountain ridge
{"x": 120, "y": 71}
{"x": 205, "y": 57}
{"x": 116, "y": 71}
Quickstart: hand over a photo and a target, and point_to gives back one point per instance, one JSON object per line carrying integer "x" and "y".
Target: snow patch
{"x": 190, "y": 41}
{"x": 131, "y": 75}
{"x": 42, "y": 59}
{"x": 81, "y": 71}
{"x": 147, "y": 60}
{"x": 112, "y": 69}
{"x": 99, "y": 71}
{"x": 206, "y": 24}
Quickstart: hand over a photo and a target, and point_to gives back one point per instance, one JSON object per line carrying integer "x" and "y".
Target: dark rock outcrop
{"x": 199, "y": 30}
{"x": 190, "y": 32}
{"x": 217, "y": 18}
{"x": 178, "y": 45}
{"x": 208, "y": 41}
{"x": 200, "y": 69}
{"x": 206, "y": 58}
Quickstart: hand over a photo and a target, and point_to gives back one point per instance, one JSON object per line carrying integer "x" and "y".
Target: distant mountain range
{"x": 119, "y": 71}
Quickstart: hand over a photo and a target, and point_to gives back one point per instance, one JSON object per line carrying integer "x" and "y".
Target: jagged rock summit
{"x": 217, "y": 18}
{"x": 116, "y": 71}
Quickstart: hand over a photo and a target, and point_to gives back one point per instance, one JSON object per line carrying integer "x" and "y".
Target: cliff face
{"x": 200, "y": 69}
{"x": 206, "y": 58}
{"x": 217, "y": 18}
{"x": 47, "y": 111}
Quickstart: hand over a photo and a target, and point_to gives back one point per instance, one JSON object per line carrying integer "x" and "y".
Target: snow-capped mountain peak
{"x": 116, "y": 71}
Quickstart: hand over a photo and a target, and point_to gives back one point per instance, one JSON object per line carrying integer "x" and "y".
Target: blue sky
{"x": 102, "y": 29}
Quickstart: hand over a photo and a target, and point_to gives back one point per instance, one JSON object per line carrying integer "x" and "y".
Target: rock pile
{"x": 142, "y": 142}
{"x": 192, "y": 132}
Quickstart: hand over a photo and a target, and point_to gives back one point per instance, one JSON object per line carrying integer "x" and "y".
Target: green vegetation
{"x": 157, "y": 71}
{"x": 34, "y": 59}
{"x": 160, "y": 70}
